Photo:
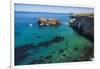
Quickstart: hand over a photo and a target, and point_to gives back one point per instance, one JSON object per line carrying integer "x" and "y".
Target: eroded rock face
{"x": 48, "y": 21}
{"x": 84, "y": 25}
{"x": 42, "y": 21}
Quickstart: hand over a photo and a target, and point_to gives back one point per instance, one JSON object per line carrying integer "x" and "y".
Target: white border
{"x": 85, "y": 3}
{"x": 45, "y": 66}
{"x": 12, "y": 36}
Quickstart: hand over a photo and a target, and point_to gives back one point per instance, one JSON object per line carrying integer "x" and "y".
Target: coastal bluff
{"x": 83, "y": 24}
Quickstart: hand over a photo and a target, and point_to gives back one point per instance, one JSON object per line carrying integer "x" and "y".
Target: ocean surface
{"x": 47, "y": 44}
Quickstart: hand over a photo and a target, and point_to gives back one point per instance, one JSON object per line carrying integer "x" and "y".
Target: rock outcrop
{"x": 48, "y": 21}
{"x": 84, "y": 25}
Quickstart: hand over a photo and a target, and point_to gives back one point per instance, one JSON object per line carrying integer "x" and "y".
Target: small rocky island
{"x": 48, "y": 21}
{"x": 83, "y": 23}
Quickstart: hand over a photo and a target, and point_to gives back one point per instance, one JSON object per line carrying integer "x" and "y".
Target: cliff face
{"x": 84, "y": 25}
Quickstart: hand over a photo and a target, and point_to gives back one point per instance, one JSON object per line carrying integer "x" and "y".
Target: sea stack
{"x": 48, "y": 21}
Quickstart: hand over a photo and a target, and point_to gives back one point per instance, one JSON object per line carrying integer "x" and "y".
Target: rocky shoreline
{"x": 83, "y": 24}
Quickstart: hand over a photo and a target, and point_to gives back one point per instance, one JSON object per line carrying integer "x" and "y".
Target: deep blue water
{"x": 27, "y": 34}
{"x": 46, "y": 44}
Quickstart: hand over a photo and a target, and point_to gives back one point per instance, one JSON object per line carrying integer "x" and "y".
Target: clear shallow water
{"x": 47, "y": 44}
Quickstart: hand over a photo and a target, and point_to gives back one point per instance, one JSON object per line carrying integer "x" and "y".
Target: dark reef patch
{"x": 89, "y": 52}
{"x": 21, "y": 52}
{"x": 60, "y": 51}
{"x": 48, "y": 57}
{"x": 76, "y": 48}
{"x": 35, "y": 62}
{"x": 57, "y": 39}
{"x": 75, "y": 60}
{"x": 38, "y": 36}
{"x": 42, "y": 59}
{"x": 47, "y": 43}
{"x": 54, "y": 40}
{"x": 20, "y": 56}
{"x": 25, "y": 47}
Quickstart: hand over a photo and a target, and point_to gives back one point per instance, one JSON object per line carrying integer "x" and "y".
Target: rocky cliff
{"x": 84, "y": 25}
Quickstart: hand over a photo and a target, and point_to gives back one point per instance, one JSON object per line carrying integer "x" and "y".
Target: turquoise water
{"x": 22, "y": 21}
{"x": 47, "y": 44}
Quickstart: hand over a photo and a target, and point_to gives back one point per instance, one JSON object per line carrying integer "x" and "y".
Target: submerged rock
{"x": 20, "y": 56}
{"x": 42, "y": 59}
{"x": 89, "y": 52}
{"x": 76, "y": 60}
{"x": 25, "y": 47}
{"x": 48, "y": 57}
{"x": 47, "y": 43}
{"x": 21, "y": 52}
{"x": 35, "y": 62}
{"x": 57, "y": 39}
{"x": 60, "y": 51}
{"x": 76, "y": 48}
{"x": 52, "y": 41}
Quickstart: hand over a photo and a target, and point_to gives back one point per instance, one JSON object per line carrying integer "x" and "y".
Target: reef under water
{"x": 47, "y": 44}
